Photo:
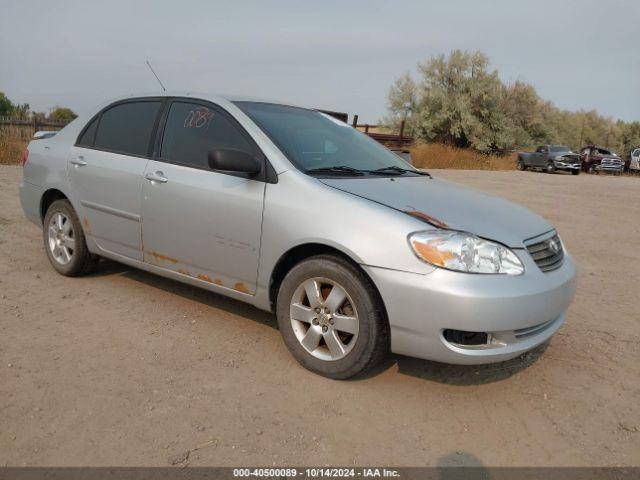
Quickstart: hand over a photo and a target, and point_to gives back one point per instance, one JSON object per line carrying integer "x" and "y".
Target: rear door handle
{"x": 156, "y": 177}
{"x": 78, "y": 161}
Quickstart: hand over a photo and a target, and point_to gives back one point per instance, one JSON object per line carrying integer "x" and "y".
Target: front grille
{"x": 548, "y": 254}
{"x": 611, "y": 162}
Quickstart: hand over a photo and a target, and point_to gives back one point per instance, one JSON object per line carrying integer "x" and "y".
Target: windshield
{"x": 312, "y": 140}
{"x": 559, "y": 148}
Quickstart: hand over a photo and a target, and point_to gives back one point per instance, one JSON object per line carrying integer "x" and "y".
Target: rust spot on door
{"x": 217, "y": 281}
{"x": 427, "y": 218}
{"x": 204, "y": 278}
{"x": 184, "y": 272}
{"x": 159, "y": 257}
{"x": 86, "y": 225}
{"x": 240, "y": 287}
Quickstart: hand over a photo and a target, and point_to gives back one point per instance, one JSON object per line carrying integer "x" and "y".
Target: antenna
{"x": 154, "y": 74}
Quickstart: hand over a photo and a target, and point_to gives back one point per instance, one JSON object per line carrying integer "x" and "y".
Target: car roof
{"x": 214, "y": 97}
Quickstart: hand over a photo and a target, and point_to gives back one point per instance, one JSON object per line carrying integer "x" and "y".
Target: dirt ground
{"x": 126, "y": 368}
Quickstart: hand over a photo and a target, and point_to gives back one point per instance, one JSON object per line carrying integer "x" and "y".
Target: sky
{"x": 338, "y": 55}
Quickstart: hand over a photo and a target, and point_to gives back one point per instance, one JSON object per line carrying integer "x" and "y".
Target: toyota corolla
{"x": 355, "y": 251}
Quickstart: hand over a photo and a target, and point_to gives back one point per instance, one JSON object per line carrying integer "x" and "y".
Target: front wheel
{"x": 331, "y": 317}
{"x": 551, "y": 168}
{"x": 64, "y": 241}
{"x": 575, "y": 172}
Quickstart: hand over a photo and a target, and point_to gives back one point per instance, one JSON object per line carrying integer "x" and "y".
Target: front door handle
{"x": 78, "y": 161}
{"x": 156, "y": 177}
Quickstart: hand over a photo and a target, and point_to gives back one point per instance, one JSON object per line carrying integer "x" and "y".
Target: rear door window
{"x": 127, "y": 127}
{"x": 192, "y": 130}
{"x": 87, "y": 137}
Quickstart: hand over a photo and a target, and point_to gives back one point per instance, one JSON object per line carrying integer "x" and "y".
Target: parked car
{"x": 634, "y": 163}
{"x": 597, "y": 159}
{"x": 550, "y": 158}
{"x": 295, "y": 212}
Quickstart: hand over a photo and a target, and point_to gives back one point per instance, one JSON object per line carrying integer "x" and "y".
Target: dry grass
{"x": 13, "y": 141}
{"x": 437, "y": 155}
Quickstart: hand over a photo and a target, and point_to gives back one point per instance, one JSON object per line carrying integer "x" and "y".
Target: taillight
{"x": 25, "y": 156}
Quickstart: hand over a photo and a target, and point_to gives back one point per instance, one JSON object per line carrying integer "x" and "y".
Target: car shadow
{"x": 189, "y": 292}
{"x": 459, "y": 375}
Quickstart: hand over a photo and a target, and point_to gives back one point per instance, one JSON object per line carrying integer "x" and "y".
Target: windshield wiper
{"x": 337, "y": 169}
{"x": 393, "y": 169}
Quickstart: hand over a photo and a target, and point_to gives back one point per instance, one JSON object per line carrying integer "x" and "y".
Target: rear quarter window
{"x": 87, "y": 137}
{"x": 127, "y": 128}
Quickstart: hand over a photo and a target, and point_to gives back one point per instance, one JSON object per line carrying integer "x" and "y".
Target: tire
{"x": 575, "y": 172}
{"x": 551, "y": 168}
{"x": 591, "y": 169}
{"x": 64, "y": 241}
{"x": 363, "y": 343}
{"x": 521, "y": 166}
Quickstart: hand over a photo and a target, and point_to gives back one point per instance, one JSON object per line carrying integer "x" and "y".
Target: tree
{"x": 630, "y": 137}
{"x": 6, "y": 107}
{"x": 523, "y": 108}
{"x": 21, "y": 111}
{"x": 459, "y": 102}
{"x": 62, "y": 114}
{"x": 402, "y": 104}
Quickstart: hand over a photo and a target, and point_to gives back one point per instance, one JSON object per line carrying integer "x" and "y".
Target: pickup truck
{"x": 634, "y": 164}
{"x": 550, "y": 158}
{"x": 597, "y": 159}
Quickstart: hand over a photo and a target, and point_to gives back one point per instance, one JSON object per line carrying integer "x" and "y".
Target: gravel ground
{"x": 126, "y": 368}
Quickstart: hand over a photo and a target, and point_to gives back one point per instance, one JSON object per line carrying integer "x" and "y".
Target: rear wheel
{"x": 331, "y": 317}
{"x": 591, "y": 169}
{"x": 64, "y": 241}
{"x": 521, "y": 166}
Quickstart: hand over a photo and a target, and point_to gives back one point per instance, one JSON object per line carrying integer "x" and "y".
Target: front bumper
{"x": 610, "y": 168}
{"x": 567, "y": 166}
{"x": 518, "y": 312}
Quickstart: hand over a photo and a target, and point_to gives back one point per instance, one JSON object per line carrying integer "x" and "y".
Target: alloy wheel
{"x": 324, "y": 319}
{"x": 60, "y": 238}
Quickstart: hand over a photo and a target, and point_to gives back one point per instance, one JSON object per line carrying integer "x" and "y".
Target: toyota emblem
{"x": 554, "y": 246}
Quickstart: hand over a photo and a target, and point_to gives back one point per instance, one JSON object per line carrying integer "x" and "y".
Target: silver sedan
{"x": 355, "y": 251}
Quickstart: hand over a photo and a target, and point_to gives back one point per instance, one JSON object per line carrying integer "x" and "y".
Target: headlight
{"x": 464, "y": 252}
{"x": 559, "y": 158}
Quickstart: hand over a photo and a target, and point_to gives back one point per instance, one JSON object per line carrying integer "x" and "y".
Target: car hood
{"x": 449, "y": 205}
{"x": 569, "y": 156}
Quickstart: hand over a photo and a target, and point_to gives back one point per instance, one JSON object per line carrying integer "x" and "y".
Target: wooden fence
{"x": 392, "y": 141}
{"x": 25, "y": 128}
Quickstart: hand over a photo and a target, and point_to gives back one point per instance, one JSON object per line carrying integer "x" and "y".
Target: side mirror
{"x": 234, "y": 161}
